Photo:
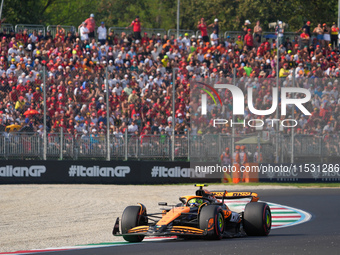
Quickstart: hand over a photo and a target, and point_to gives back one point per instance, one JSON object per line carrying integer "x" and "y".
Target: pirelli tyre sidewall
{"x": 257, "y": 219}
{"x": 132, "y": 218}
{"x": 212, "y": 221}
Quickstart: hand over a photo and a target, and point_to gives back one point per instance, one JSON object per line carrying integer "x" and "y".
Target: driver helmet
{"x": 195, "y": 202}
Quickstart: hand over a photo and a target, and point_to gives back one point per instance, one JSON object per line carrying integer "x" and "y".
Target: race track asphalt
{"x": 321, "y": 235}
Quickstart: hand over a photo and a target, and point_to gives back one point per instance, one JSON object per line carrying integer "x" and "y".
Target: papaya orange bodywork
{"x": 173, "y": 214}
{"x": 211, "y": 224}
{"x": 226, "y": 214}
{"x": 171, "y": 222}
{"x": 138, "y": 229}
{"x": 186, "y": 230}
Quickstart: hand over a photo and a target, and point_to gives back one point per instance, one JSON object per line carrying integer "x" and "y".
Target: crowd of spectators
{"x": 139, "y": 75}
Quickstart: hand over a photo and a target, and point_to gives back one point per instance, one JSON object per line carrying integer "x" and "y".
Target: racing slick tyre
{"x": 257, "y": 219}
{"x": 131, "y": 218}
{"x": 212, "y": 221}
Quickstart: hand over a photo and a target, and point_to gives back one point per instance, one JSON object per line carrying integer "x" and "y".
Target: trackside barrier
{"x": 67, "y": 146}
{"x": 133, "y": 146}
{"x": 7, "y": 26}
{"x": 2, "y": 147}
{"x": 305, "y": 145}
{"x": 92, "y": 146}
{"x": 149, "y": 172}
{"x": 53, "y": 29}
{"x": 21, "y": 145}
{"x": 101, "y": 172}
{"x": 117, "y": 146}
{"x": 181, "y": 31}
{"x": 53, "y": 145}
{"x": 30, "y": 28}
{"x": 154, "y": 146}
{"x": 181, "y": 147}
{"x": 208, "y": 147}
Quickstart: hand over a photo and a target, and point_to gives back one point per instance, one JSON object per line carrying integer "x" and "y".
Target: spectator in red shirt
{"x": 60, "y": 33}
{"x": 91, "y": 25}
{"x": 37, "y": 95}
{"x": 249, "y": 40}
{"x": 304, "y": 38}
{"x": 202, "y": 26}
{"x": 136, "y": 27}
{"x": 145, "y": 39}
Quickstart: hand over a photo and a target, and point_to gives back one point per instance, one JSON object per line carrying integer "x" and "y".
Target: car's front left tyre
{"x": 132, "y": 218}
{"x": 212, "y": 221}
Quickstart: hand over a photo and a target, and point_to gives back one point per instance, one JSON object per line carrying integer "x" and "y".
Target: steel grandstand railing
{"x": 30, "y": 28}
{"x": 118, "y": 30}
{"x": 6, "y": 26}
{"x": 53, "y": 29}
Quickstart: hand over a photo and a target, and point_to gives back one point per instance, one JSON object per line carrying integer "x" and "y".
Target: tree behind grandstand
{"x": 162, "y": 13}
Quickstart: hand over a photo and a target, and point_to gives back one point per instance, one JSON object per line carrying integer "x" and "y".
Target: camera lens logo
{"x": 204, "y": 97}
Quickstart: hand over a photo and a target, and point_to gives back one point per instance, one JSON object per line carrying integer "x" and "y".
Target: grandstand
{"x": 122, "y": 90}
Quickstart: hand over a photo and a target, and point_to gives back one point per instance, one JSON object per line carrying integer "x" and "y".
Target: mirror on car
{"x": 162, "y": 203}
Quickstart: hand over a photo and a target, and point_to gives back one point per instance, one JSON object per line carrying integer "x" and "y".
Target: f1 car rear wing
{"x": 235, "y": 195}
{"x": 225, "y": 195}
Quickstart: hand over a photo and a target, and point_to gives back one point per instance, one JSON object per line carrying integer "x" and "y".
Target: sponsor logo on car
{"x": 235, "y": 217}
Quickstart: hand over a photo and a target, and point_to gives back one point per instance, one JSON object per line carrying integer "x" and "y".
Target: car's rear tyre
{"x": 257, "y": 219}
{"x": 212, "y": 221}
{"x": 131, "y": 218}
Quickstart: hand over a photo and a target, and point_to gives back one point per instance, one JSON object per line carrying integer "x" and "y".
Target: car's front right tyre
{"x": 257, "y": 219}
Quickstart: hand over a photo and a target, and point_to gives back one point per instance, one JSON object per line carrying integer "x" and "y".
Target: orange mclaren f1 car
{"x": 203, "y": 215}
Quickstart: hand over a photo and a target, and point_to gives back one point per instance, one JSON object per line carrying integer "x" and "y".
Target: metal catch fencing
{"x": 207, "y": 147}
{"x": 21, "y": 146}
{"x": 60, "y": 146}
{"x": 117, "y": 146}
{"x": 91, "y": 146}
